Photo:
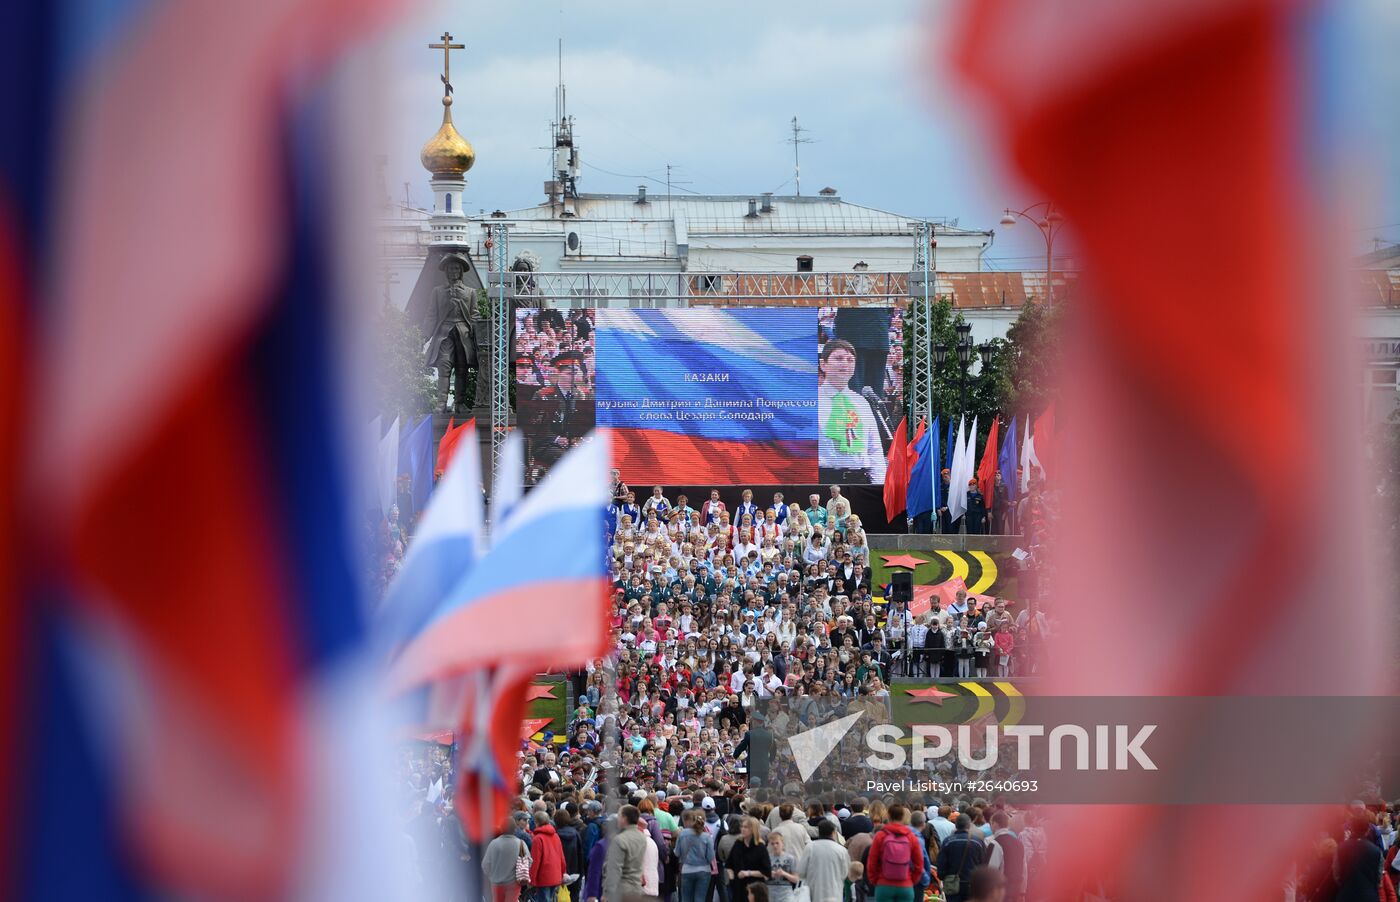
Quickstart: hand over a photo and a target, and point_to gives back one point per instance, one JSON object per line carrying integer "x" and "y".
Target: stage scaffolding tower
{"x": 501, "y": 311}
{"x": 923, "y": 290}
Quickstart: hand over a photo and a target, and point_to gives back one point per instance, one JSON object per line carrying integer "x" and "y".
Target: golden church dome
{"x": 447, "y": 152}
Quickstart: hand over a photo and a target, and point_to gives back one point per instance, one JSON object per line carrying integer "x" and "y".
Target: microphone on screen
{"x": 877, "y": 407}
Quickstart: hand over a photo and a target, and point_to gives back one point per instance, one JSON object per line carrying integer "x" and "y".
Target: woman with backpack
{"x": 895, "y": 861}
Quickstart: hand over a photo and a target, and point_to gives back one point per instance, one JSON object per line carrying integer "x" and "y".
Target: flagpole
{"x": 484, "y": 787}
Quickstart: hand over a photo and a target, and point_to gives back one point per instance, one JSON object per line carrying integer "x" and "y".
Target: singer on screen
{"x": 848, "y": 444}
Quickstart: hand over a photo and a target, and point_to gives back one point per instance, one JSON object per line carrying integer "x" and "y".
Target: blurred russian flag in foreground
{"x": 466, "y": 629}
{"x": 181, "y": 608}
{"x": 1212, "y": 477}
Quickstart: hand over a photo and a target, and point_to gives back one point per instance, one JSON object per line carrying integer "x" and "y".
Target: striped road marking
{"x": 1017, "y": 708}
{"x": 989, "y": 573}
{"x": 960, "y": 570}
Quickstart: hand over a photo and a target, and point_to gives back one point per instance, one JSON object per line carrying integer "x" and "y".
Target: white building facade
{"x": 641, "y": 233}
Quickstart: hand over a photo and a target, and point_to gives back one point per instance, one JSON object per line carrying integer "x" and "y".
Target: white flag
{"x": 1028, "y": 458}
{"x": 969, "y": 468}
{"x": 957, "y": 480}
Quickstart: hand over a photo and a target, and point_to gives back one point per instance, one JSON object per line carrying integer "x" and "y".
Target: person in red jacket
{"x": 546, "y": 863}
{"x": 895, "y": 861}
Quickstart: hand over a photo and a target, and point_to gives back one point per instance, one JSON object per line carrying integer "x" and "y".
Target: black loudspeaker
{"x": 901, "y": 586}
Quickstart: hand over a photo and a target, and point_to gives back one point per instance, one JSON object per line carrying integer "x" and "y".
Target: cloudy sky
{"x": 711, "y": 88}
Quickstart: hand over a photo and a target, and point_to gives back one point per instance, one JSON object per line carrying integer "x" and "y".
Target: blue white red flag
{"x": 469, "y": 633}
{"x": 195, "y": 600}
{"x": 731, "y": 393}
{"x": 527, "y": 600}
{"x": 446, "y": 547}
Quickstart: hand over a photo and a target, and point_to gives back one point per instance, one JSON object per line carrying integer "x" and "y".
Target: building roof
{"x": 970, "y": 290}
{"x": 1385, "y": 256}
{"x": 728, "y": 214}
{"x": 1379, "y": 287}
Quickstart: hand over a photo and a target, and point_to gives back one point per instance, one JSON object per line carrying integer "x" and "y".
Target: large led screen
{"x": 723, "y": 395}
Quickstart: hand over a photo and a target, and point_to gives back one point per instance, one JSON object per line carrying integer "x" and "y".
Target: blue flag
{"x": 918, "y": 499}
{"x": 936, "y": 477}
{"x": 950, "y": 445}
{"x": 416, "y": 459}
{"x": 1007, "y": 463}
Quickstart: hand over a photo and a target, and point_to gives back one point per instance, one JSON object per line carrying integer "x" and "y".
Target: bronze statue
{"x": 450, "y": 324}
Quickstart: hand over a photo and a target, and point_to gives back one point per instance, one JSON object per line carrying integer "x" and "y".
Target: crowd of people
{"x": 720, "y": 614}
{"x": 1354, "y": 860}
{"x": 705, "y": 846}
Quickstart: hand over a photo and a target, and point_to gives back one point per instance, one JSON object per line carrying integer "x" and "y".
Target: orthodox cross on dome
{"x": 447, "y": 47}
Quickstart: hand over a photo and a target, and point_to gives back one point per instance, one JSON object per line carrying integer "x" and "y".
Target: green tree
{"x": 1019, "y": 375}
{"x": 405, "y": 390}
{"x": 1034, "y": 362}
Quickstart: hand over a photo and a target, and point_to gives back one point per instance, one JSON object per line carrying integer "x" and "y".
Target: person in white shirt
{"x": 771, "y": 681}
{"x": 656, "y": 502}
{"x": 651, "y": 864}
{"x": 917, "y": 635}
{"x": 769, "y": 527}
{"x": 817, "y": 548}
{"x": 824, "y": 864}
{"x": 938, "y": 819}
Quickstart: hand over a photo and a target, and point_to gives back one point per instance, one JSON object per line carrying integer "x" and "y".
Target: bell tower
{"x": 448, "y": 156}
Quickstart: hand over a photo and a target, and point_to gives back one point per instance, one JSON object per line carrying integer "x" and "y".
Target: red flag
{"x": 911, "y": 456}
{"x": 488, "y": 777}
{"x": 987, "y": 469}
{"x": 897, "y": 471}
{"x": 448, "y": 446}
{"x": 1044, "y": 433}
{"x": 1196, "y": 111}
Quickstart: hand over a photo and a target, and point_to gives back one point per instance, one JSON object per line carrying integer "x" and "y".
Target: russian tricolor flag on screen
{"x": 710, "y": 395}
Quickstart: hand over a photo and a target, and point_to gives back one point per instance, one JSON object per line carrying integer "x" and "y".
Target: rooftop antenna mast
{"x": 564, "y": 177}
{"x": 670, "y": 180}
{"x": 795, "y": 140}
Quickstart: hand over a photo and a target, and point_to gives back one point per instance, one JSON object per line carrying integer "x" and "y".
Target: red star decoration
{"x": 908, "y": 561}
{"x": 931, "y": 694}
{"x": 537, "y": 691}
{"x": 533, "y": 725}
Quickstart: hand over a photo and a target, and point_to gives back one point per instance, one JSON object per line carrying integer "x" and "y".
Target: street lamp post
{"x": 1048, "y": 221}
{"x": 963, "y": 348}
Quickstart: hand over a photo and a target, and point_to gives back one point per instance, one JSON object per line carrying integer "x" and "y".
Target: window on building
{"x": 710, "y": 284}
{"x": 804, "y": 263}
{"x": 648, "y": 298}
{"x": 449, "y": 203}
{"x": 593, "y": 296}
{"x": 1385, "y": 376}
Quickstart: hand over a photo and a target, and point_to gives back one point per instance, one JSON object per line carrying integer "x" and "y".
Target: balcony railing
{"x": 691, "y": 289}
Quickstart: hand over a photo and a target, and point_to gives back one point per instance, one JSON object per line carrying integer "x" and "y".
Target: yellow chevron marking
{"x": 1017, "y": 706}
{"x": 985, "y": 702}
{"x": 989, "y": 573}
{"x": 959, "y": 563}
